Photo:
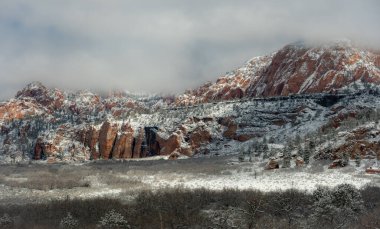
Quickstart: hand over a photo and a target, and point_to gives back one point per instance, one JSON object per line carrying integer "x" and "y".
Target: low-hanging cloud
{"x": 161, "y": 46}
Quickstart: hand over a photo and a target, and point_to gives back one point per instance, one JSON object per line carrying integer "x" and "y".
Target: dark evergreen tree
{"x": 306, "y": 157}
{"x": 287, "y": 158}
{"x": 357, "y": 160}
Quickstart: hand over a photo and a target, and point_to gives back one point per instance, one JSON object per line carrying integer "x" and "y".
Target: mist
{"x": 162, "y": 46}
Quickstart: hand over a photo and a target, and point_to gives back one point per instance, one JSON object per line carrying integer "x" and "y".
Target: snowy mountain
{"x": 295, "y": 69}
{"x": 287, "y": 98}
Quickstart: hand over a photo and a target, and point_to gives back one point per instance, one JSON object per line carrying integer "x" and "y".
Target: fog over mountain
{"x": 161, "y": 46}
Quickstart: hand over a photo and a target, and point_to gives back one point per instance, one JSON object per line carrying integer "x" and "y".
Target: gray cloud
{"x": 161, "y": 46}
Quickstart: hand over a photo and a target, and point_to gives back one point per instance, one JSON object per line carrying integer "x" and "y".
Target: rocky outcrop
{"x": 199, "y": 137}
{"x": 107, "y": 138}
{"x": 361, "y": 142}
{"x": 169, "y": 145}
{"x": 44, "y": 149}
{"x": 19, "y": 109}
{"x": 363, "y": 148}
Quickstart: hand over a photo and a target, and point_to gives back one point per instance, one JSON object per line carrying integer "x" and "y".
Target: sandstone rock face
{"x": 107, "y": 137}
{"x": 119, "y": 146}
{"x": 128, "y": 132}
{"x": 91, "y": 141}
{"x": 123, "y": 145}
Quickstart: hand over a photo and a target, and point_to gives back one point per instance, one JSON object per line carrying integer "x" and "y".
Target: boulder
{"x": 174, "y": 156}
{"x": 338, "y": 163}
{"x": 300, "y": 162}
{"x": 272, "y": 164}
{"x": 373, "y": 170}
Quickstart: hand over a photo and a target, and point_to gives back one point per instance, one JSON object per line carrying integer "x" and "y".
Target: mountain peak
{"x": 297, "y": 68}
{"x": 33, "y": 89}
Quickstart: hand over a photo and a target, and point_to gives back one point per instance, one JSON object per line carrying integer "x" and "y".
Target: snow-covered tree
{"x": 336, "y": 208}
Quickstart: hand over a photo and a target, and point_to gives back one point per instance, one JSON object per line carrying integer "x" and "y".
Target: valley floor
{"x": 37, "y": 182}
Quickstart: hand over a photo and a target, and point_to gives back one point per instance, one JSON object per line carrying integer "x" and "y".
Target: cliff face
{"x": 42, "y": 123}
{"x": 295, "y": 69}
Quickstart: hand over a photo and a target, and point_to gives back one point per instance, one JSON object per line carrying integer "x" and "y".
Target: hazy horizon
{"x": 161, "y": 47}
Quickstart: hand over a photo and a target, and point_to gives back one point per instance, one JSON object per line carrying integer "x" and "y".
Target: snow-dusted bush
{"x": 69, "y": 222}
{"x": 6, "y": 221}
{"x": 113, "y": 219}
{"x": 338, "y": 207}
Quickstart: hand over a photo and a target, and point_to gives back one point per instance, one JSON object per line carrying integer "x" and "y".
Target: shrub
{"x": 371, "y": 196}
{"x": 68, "y": 222}
{"x": 113, "y": 219}
{"x": 6, "y": 221}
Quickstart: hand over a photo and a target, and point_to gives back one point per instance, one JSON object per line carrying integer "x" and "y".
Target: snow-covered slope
{"x": 294, "y": 93}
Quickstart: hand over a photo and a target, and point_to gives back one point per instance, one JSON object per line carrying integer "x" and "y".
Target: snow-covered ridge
{"x": 296, "y": 69}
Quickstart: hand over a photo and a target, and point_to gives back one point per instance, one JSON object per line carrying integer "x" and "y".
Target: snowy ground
{"x": 266, "y": 181}
{"x": 249, "y": 176}
{"x": 124, "y": 180}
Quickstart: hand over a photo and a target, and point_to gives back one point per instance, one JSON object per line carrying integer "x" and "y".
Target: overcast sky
{"x": 161, "y": 45}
